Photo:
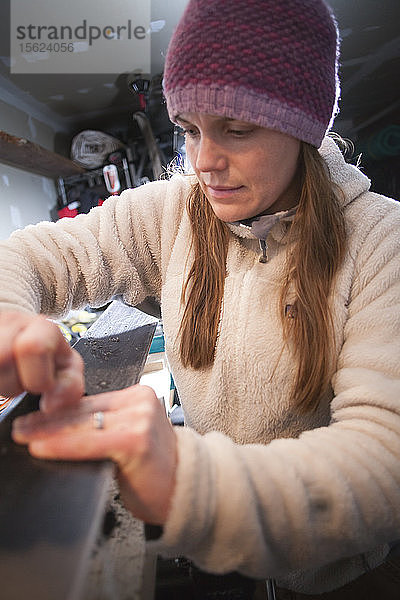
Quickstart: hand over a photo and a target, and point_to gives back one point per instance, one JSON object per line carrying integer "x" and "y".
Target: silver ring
{"x": 98, "y": 420}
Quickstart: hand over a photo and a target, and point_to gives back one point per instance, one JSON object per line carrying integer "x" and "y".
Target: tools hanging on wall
{"x": 122, "y": 168}
{"x": 110, "y": 174}
{"x": 113, "y": 165}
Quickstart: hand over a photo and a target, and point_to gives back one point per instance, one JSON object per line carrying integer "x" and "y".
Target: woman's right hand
{"x": 35, "y": 357}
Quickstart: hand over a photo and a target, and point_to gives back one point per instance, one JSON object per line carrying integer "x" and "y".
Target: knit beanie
{"x": 268, "y": 62}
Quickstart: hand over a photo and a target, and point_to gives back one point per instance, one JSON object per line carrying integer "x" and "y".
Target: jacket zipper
{"x": 264, "y": 248}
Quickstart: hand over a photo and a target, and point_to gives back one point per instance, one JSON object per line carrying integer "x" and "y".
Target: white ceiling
{"x": 66, "y": 99}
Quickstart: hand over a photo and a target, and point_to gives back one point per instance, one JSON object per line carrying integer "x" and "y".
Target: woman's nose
{"x": 210, "y": 156}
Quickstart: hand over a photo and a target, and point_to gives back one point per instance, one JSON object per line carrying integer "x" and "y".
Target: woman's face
{"x": 243, "y": 169}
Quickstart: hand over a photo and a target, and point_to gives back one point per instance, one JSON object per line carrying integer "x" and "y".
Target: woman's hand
{"x": 35, "y": 357}
{"x": 135, "y": 433}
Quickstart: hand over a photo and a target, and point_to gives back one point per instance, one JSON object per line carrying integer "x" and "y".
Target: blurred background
{"x": 135, "y": 138}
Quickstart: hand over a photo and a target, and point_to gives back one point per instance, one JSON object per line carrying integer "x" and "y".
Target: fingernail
{"x": 63, "y": 393}
{"x": 52, "y": 401}
{"x": 20, "y": 423}
{"x": 44, "y": 403}
{"x": 38, "y": 449}
{"x": 18, "y": 432}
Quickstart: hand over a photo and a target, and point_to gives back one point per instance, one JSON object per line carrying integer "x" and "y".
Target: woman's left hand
{"x": 132, "y": 430}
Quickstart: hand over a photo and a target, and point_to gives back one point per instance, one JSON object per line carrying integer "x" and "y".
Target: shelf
{"x": 23, "y": 154}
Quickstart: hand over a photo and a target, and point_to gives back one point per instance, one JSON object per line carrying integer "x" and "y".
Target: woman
{"x": 278, "y": 275}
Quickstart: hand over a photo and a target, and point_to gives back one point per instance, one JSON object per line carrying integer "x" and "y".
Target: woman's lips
{"x": 223, "y": 191}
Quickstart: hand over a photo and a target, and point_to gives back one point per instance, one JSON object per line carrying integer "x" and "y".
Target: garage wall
{"x": 25, "y": 198}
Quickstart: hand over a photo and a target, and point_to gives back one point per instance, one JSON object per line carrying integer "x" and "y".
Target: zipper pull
{"x": 264, "y": 248}
{"x": 271, "y": 589}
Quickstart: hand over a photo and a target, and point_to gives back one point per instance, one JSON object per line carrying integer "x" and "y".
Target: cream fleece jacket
{"x": 311, "y": 500}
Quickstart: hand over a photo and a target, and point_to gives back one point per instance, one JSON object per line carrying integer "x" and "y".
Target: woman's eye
{"x": 187, "y": 131}
{"x": 190, "y": 132}
{"x": 239, "y": 132}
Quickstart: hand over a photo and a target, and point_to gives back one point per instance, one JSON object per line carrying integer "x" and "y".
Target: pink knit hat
{"x": 268, "y": 62}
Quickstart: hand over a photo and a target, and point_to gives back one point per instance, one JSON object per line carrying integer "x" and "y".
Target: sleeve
{"x": 113, "y": 250}
{"x": 334, "y": 492}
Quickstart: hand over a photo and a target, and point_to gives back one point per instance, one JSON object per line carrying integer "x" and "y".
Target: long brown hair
{"x": 319, "y": 239}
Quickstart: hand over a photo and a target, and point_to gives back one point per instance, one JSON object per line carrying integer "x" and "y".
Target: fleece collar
{"x": 348, "y": 177}
{"x": 261, "y": 225}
